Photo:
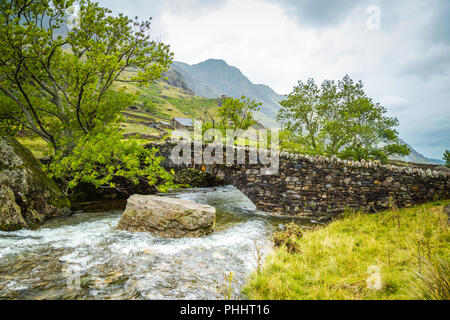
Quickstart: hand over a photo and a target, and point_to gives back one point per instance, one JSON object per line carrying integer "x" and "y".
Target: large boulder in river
{"x": 27, "y": 196}
{"x": 167, "y": 217}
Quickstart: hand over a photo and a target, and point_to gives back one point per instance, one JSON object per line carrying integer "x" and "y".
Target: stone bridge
{"x": 319, "y": 186}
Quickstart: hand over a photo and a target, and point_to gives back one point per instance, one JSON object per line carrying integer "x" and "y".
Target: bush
{"x": 289, "y": 238}
{"x": 149, "y": 106}
{"x": 103, "y": 155}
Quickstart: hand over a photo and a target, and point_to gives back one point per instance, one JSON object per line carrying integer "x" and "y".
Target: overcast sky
{"x": 403, "y": 58}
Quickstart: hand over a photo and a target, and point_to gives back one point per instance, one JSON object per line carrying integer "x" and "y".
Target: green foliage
{"x": 289, "y": 238}
{"x": 150, "y": 106}
{"x": 290, "y": 140}
{"x": 300, "y": 115}
{"x": 334, "y": 261}
{"x": 237, "y": 114}
{"x": 9, "y": 112}
{"x": 447, "y": 158}
{"x": 101, "y": 155}
{"x": 338, "y": 119}
{"x": 62, "y": 82}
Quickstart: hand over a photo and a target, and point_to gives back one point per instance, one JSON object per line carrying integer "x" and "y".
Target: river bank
{"x": 395, "y": 254}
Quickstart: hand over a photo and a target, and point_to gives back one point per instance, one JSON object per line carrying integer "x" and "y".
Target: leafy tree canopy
{"x": 62, "y": 80}
{"x": 338, "y": 119}
{"x": 68, "y": 86}
{"x": 447, "y": 158}
{"x": 9, "y": 112}
{"x": 237, "y": 114}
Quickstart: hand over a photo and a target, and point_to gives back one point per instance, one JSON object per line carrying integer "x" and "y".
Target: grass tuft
{"x": 289, "y": 237}
{"x": 432, "y": 280}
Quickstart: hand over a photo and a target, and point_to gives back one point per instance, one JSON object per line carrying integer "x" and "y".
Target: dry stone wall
{"x": 323, "y": 187}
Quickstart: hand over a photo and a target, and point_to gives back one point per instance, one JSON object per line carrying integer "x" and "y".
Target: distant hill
{"x": 416, "y": 157}
{"x": 213, "y": 78}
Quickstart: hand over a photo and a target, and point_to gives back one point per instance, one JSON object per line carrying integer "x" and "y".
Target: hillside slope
{"x": 213, "y": 78}
{"x": 416, "y": 157}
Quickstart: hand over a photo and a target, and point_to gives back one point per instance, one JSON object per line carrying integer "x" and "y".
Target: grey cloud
{"x": 193, "y": 6}
{"x": 327, "y": 13}
{"x": 319, "y": 12}
{"x": 432, "y": 136}
{"x": 153, "y": 8}
{"x": 417, "y": 68}
{"x": 433, "y": 63}
{"x": 433, "y": 43}
{"x": 438, "y": 30}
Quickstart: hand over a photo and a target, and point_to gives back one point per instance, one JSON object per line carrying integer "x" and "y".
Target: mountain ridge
{"x": 213, "y": 78}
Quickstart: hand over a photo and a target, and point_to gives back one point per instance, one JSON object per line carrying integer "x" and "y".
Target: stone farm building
{"x": 182, "y": 123}
{"x": 165, "y": 125}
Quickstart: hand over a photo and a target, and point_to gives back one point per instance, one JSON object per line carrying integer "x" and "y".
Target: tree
{"x": 9, "y": 112}
{"x": 447, "y": 158}
{"x": 300, "y": 116}
{"x": 339, "y": 119}
{"x": 65, "y": 83}
{"x": 290, "y": 141}
{"x": 237, "y": 114}
{"x": 69, "y": 86}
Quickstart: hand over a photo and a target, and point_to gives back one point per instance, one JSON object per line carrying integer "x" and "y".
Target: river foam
{"x": 84, "y": 256}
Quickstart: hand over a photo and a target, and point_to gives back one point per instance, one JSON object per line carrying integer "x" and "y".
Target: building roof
{"x": 184, "y": 121}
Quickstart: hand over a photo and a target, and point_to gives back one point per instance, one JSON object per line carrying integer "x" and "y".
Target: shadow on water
{"x": 84, "y": 257}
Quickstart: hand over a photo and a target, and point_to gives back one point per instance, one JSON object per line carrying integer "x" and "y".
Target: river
{"x": 84, "y": 257}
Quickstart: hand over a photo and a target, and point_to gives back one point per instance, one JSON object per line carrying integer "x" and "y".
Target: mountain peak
{"x": 217, "y": 65}
{"x": 214, "y": 61}
{"x": 215, "y": 77}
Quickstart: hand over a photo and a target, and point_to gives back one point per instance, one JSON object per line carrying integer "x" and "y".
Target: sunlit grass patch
{"x": 131, "y": 128}
{"x": 334, "y": 262}
{"x": 38, "y": 146}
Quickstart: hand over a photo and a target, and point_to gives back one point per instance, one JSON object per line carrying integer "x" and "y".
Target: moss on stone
{"x": 38, "y": 197}
{"x": 11, "y": 218}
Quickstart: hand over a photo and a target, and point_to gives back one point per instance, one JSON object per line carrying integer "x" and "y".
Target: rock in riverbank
{"x": 167, "y": 217}
{"x": 10, "y": 214}
{"x": 446, "y": 210}
{"x": 27, "y": 196}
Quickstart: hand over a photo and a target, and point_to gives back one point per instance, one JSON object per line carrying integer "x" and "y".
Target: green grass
{"x": 38, "y": 146}
{"x": 333, "y": 261}
{"x": 169, "y": 101}
{"x": 131, "y": 128}
{"x": 148, "y": 117}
